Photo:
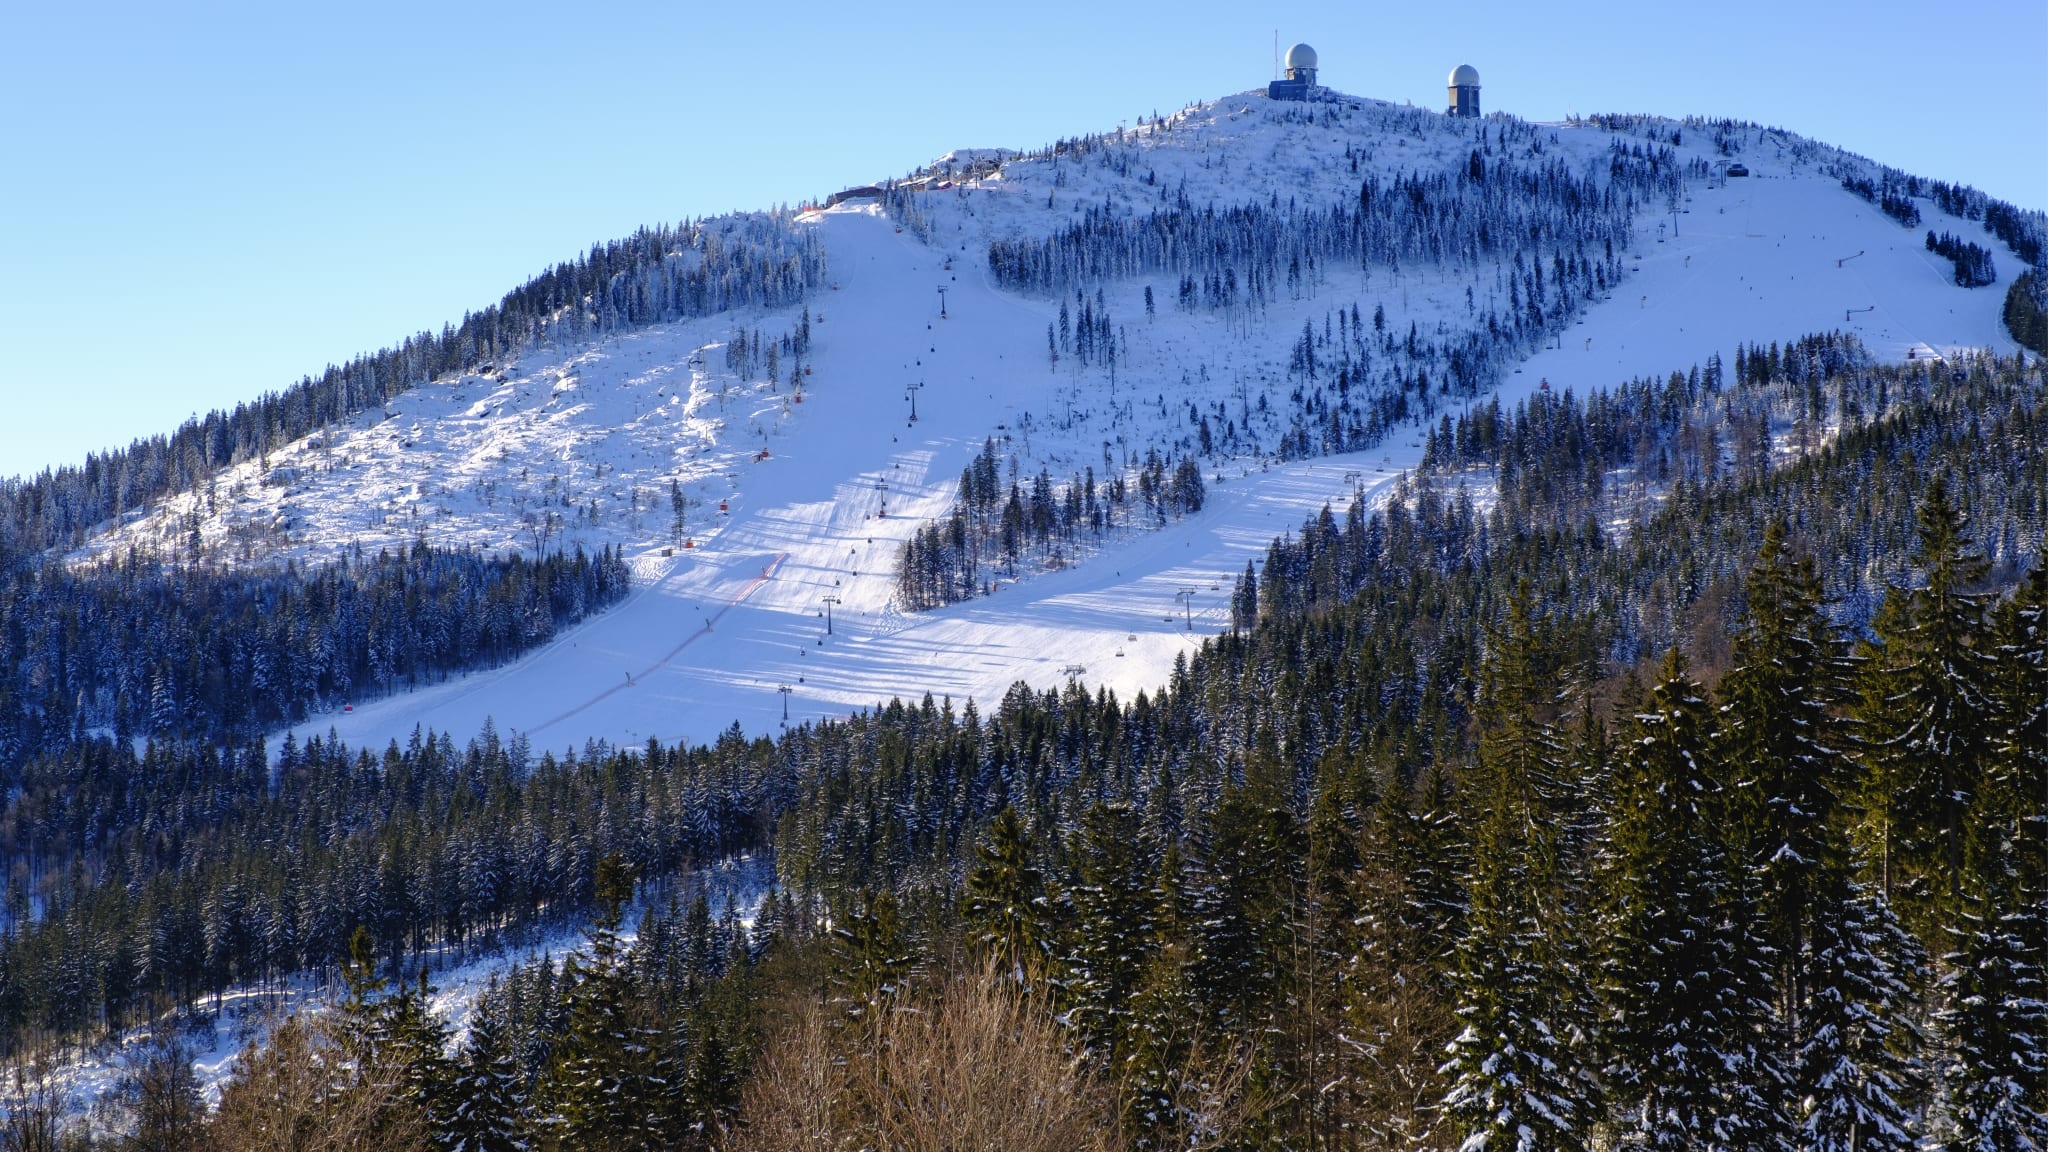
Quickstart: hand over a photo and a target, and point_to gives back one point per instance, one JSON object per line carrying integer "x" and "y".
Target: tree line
{"x": 132, "y": 649}
{"x": 1048, "y": 526}
{"x": 1973, "y": 265}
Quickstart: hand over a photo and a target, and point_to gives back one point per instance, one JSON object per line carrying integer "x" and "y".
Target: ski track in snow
{"x": 710, "y": 635}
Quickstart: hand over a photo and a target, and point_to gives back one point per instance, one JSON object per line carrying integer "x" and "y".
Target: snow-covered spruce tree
{"x": 1680, "y": 1010}
{"x": 1784, "y": 749}
{"x": 417, "y": 1047}
{"x": 1521, "y": 1081}
{"x": 1929, "y": 718}
{"x": 604, "y": 1086}
{"x": 1164, "y": 1092}
{"x": 1243, "y": 868}
{"x": 1114, "y": 933}
{"x": 1407, "y": 901}
{"x": 1995, "y": 1017}
{"x": 489, "y": 1096}
{"x": 1326, "y": 942}
{"x": 1857, "y": 1065}
{"x": 2021, "y": 761}
{"x": 872, "y": 956}
{"x": 1994, "y": 1021}
{"x": 1007, "y": 915}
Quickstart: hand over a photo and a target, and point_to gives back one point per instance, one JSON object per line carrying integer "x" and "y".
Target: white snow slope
{"x": 712, "y": 635}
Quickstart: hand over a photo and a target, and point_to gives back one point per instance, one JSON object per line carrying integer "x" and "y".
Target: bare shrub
{"x": 978, "y": 1067}
{"x": 32, "y": 1109}
{"x": 302, "y": 1091}
{"x": 158, "y": 1097}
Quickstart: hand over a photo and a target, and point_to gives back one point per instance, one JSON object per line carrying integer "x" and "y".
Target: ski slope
{"x": 713, "y": 637}
{"x": 800, "y": 505}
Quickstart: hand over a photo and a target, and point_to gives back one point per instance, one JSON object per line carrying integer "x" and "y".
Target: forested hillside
{"x": 1660, "y": 763}
{"x": 143, "y": 650}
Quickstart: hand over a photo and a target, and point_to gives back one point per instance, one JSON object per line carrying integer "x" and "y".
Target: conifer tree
{"x": 1159, "y": 1056}
{"x": 1930, "y": 716}
{"x": 382, "y": 1074}
{"x": 1995, "y": 1018}
{"x": 1114, "y": 931}
{"x": 1995, "y": 1025}
{"x": 871, "y": 955}
{"x": 1785, "y": 750}
{"x": 1008, "y": 917}
{"x": 489, "y": 1098}
{"x": 1678, "y": 1036}
{"x": 603, "y": 1082}
{"x": 1857, "y": 1070}
{"x": 416, "y": 1046}
{"x": 1519, "y": 1080}
{"x": 1241, "y": 885}
{"x": 1396, "y": 1017}
{"x": 2018, "y": 775}
{"x": 709, "y": 1089}
{"x": 361, "y": 1024}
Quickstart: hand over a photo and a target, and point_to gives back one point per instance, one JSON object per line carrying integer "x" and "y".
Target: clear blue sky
{"x": 200, "y": 203}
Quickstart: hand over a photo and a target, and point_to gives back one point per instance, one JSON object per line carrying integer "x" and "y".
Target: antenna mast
{"x": 1276, "y": 53}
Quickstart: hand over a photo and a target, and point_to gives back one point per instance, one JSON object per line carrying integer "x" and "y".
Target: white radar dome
{"x": 1301, "y": 56}
{"x": 1464, "y": 75}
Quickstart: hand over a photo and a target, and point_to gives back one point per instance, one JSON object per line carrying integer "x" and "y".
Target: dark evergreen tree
{"x": 1995, "y": 1025}
{"x": 1930, "y": 714}
{"x": 1995, "y": 1020}
{"x": 1007, "y": 914}
{"x": 872, "y": 955}
{"x": 603, "y": 1085}
{"x": 489, "y": 1113}
{"x": 1680, "y": 1031}
{"x": 1785, "y": 750}
{"x": 1114, "y": 931}
{"x": 1860, "y": 1081}
{"x": 1520, "y": 1079}
{"x": 416, "y": 1047}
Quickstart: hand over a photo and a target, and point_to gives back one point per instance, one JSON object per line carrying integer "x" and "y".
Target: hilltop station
{"x": 1298, "y": 82}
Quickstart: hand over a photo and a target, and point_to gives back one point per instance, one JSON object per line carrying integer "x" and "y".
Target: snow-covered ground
{"x": 789, "y": 495}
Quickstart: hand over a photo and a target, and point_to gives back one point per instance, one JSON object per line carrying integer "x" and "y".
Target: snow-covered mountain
{"x": 1284, "y": 293}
